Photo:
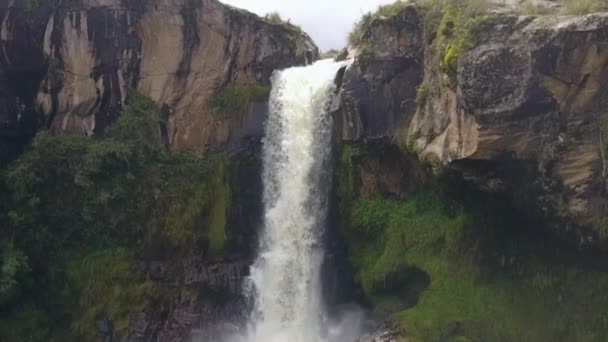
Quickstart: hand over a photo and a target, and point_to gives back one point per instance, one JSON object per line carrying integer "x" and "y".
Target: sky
{"x": 328, "y": 22}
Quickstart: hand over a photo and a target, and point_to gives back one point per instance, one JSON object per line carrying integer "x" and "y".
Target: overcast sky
{"x": 326, "y": 21}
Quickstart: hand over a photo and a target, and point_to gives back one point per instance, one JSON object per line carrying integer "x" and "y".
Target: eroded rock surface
{"x": 67, "y": 66}
{"x": 533, "y": 92}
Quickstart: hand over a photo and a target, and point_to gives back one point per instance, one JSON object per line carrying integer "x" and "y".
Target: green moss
{"x": 30, "y": 5}
{"x": 458, "y": 32}
{"x": 27, "y": 323}
{"x": 422, "y": 94}
{"x": 219, "y": 212}
{"x": 602, "y": 228}
{"x": 494, "y": 274}
{"x": 603, "y": 124}
{"x": 345, "y": 187}
{"x": 360, "y": 33}
{"x": 235, "y": 100}
{"x": 74, "y": 207}
{"x": 582, "y": 7}
{"x": 513, "y": 298}
{"x": 109, "y": 284}
{"x": 14, "y": 268}
{"x": 396, "y": 228}
{"x": 191, "y": 293}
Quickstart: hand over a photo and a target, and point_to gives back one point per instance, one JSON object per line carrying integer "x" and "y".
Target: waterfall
{"x": 285, "y": 278}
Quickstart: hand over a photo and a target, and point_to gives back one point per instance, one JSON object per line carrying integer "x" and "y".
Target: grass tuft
{"x": 235, "y": 100}
{"x": 582, "y": 7}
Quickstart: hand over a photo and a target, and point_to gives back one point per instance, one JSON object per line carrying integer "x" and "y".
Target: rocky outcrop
{"x": 215, "y": 303}
{"x": 530, "y": 95}
{"x": 385, "y": 333}
{"x": 67, "y": 66}
{"x": 384, "y": 78}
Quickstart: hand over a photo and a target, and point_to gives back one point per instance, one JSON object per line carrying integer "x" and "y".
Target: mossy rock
{"x": 494, "y": 275}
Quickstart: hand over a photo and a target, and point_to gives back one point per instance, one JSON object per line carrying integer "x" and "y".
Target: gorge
{"x": 182, "y": 170}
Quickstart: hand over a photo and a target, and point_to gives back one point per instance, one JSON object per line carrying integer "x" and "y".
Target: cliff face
{"x": 471, "y": 175}
{"x": 529, "y": 95}
{"x": 67, "y": 66}
{"x": 144, "y": 243}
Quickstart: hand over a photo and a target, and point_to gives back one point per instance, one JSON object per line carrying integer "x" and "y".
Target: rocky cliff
{"x": 471, "y": 172}
{"x": 521, "y": 90}
{"x": 67, "y": 66}
{"x": 130, "y": 233}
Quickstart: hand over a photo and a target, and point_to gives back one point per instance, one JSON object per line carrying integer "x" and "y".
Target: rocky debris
{"x": 67, "y": 66}
{"x": 385, "y": 333}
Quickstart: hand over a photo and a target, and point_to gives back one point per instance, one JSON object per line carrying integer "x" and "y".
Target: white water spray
{"x": 286, "y": 275}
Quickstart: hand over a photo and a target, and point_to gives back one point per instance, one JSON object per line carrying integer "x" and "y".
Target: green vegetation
{"x": 275, "y": 18}
{"x": 400, "y": 231}
{"x": 565, "y": 7}
{"x": 14, "y": 270}
{"x": 422, "y": 94}
{"x": 235, "y": 100}
{"x": 461, "y": 28}
{"x": 78, "y": 213}
{"x": 534, "y": 8}
{"x": 582, "y": 7}
{"x": 454, "y": 26}
{"x": 603, "y": 126}
{"x": 360, "y": 35}
{"x": 360, "y": 32}
{"x": 453, "y": 264}
{"x": 30, "y": 4}
{"x": 294, "y": 32}
{"x": 333, "y": 53}
{"x": 109, "y": 284}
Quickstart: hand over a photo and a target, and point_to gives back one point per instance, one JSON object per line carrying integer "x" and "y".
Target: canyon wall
{"x": 470, "y": 178}
{"x": 530, "y": 91}
{"x": 134, "y": 132}
{"x": 67, "y": 67}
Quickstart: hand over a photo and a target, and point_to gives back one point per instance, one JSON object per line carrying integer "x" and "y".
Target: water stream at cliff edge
{"x": 285, "y": 279}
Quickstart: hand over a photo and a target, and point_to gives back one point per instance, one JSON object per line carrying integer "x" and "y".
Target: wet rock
{"x": 385, "y": 333}
{"x": 105, "y": 328}
{"x": 379, "y": 89}
{"x": 530, "y": 96}
{"x": 67, "y": 68}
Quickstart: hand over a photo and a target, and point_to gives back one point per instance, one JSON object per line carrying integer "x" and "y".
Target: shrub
{"x": 108, "y": 283}
{"x": 235, "y": 100}
{"x": 582, "y": 7}
{"x": 275, "y": 18}
{"x": 533, "y": 8}
{"x": 358, "y": 34}
{"x": 13, "y": 268}
{"x": 333, "y": 53}
{"x": 75, "y": 206}
{"x": 461, "y": 28}
{"x": 422, "y": 94}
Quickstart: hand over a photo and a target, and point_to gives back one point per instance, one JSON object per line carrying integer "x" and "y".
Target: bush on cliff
{"x": 235, "y": 100}
{"x": 582, "y": 7}
{"x": 455, "y": 26}
{"x": 358, "y": 34}
{"x": 73, "y": 206}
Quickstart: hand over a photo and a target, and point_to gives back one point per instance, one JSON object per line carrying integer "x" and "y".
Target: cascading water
{"x": 285, "y": 278}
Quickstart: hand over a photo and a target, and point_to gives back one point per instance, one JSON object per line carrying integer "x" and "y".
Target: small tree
{"x": 274, "y": 17}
